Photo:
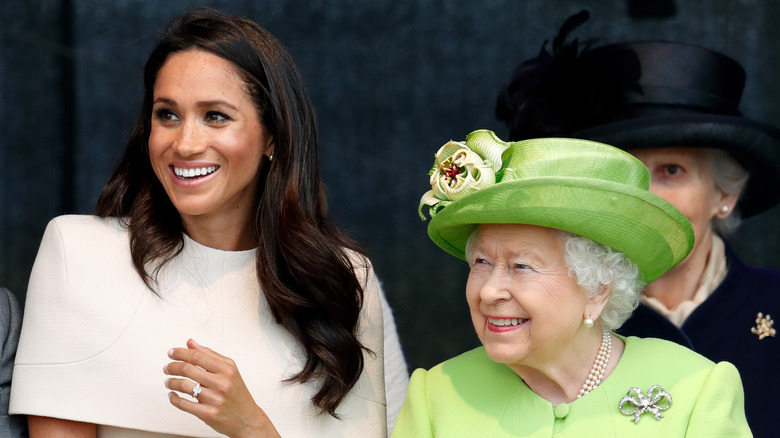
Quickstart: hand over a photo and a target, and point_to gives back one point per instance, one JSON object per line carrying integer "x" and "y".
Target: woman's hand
{"x": 224, "y": 403}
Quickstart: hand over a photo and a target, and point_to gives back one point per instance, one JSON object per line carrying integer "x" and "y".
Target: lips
{"x": 506, "y": 322}
{"x": 193, "y": 172}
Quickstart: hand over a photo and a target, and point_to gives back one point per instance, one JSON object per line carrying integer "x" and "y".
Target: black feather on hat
{"x": 642, "y": 95}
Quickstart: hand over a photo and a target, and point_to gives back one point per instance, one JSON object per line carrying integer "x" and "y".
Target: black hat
{"x": 643, "y": 95}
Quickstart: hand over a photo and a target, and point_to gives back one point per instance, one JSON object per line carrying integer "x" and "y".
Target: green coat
{"x": 473, "y": 396}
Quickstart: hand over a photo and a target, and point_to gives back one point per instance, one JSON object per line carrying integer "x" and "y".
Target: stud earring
{"x": 271, "y": 156}
{"x": 588, "y": 321}
{"x": 724, "y": 209}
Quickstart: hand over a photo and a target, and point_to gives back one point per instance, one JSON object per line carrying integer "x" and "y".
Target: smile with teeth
{"x": 192, "y": 173}
{"x": 506, "y": 322}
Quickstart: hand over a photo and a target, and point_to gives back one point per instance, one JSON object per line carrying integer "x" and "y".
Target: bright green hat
{"x": 586, "y": 188}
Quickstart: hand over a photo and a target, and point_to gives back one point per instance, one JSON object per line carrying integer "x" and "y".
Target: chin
{"x": 504, "y": 354}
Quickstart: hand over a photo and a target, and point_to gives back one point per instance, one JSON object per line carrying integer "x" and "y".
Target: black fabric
{"x": 684, "y": 75}
{"x": 719, "y": 329}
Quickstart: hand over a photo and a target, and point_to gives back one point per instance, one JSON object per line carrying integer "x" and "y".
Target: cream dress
{"x": 95, "y": 339}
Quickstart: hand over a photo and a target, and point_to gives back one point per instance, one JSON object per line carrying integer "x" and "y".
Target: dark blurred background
{"x": 392, "y": 80}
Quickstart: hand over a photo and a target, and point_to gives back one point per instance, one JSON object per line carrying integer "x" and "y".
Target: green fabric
{"x": 586, "y": 188}
{"x": 472, "y": 396}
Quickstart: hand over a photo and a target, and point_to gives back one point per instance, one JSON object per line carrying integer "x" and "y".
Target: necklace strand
{"x": 599, "y": 365}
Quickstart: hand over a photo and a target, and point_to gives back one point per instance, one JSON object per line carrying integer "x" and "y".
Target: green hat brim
{"x": 647, "y": 229}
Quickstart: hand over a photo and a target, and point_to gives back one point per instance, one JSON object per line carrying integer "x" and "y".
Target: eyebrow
{"x": 511, "y": 253}
{"x": 524, "y": 253}
{"x": 201, "y": 104}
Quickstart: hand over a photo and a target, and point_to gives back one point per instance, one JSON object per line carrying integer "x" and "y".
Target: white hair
{"x": 729, "y": 176}
{"x": 597, "y": 267}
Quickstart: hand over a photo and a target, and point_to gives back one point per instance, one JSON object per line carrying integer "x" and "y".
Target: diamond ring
{"x": 196, "y": 390}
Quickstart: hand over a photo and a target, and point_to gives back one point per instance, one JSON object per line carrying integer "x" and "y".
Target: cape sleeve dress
{"x": 95, "y": 339}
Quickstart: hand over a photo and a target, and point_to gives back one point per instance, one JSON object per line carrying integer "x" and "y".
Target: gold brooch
{"x": 763, "y": 326}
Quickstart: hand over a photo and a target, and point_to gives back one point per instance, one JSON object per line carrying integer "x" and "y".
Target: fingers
{"x": 198, "y": 364}
{"x": 195, "y": 346}
{"x": 189, "y": 371}
{"x": 193, "y": 407}
{"x": 193, "y": 389}
{"x": 224, "y": 402}
{"x": 202, "y": 357}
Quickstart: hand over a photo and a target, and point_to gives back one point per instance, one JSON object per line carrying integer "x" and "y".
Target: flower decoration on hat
{"x": 462, "y": 168}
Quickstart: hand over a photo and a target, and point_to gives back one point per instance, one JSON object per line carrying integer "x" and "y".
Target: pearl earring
{"x": 588, "y": 321}
{"x": 724, "y": 209}
{"x": 271, "y": 156}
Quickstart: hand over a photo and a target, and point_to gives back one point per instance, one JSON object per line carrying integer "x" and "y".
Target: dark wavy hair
{"x": 303, "y": 263}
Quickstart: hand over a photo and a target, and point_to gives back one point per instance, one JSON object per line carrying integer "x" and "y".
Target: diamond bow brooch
{"x": 636, "y": 404}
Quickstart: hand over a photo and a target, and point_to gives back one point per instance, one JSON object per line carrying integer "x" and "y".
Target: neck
{"x": 227, "y": 234}
{"x": 681, "y": 282}
{"x": 561, "y": 380}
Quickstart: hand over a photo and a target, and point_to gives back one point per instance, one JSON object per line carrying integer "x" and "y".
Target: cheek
{"x": 247, "y": 152}
{"x": 157, "y": 142}
{"x": 473, "y": 287}
{"x": 472, "y": 295}
{"x": 561, "y": 298}
{"x": 686, "y": 199}
{"x": 156, "y": 151}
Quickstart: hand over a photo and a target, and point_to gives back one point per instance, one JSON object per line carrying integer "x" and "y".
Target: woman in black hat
{"x": 675, "y": 107}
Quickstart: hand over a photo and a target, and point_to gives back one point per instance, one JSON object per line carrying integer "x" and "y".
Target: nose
{"x": 496, "y": 288}
{"x": 190, "y": 139}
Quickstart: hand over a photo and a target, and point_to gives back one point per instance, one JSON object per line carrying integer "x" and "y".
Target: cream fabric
{"x": 396, "y": 370}
{"x": 714, "y": 272}
{"x": 94, "y": 339}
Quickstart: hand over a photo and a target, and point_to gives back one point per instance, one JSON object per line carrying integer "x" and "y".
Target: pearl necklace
{"x": 599, "y": 365}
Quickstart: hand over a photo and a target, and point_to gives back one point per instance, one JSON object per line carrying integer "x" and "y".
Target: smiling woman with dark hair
{"x": 212, "y": 231}
{"x": 560, "y": 236}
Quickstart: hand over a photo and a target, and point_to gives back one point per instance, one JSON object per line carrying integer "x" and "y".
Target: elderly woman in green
{"x": 561, "y": 235}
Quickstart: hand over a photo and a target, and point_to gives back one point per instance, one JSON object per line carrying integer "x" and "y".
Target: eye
{"x": 217, "y": 117}
{"x": 522, "y": 266}
{"x": 480, "y": 263}
{"x": 672, "y": 169}
{"x": 165, "y": 115}
{"x": 669, "y": 174}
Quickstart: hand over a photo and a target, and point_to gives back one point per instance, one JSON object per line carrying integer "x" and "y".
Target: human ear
{"x": 726, "y": 205}
{"x": 596, "y": 303}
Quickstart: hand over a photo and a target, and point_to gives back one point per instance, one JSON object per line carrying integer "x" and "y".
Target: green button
{"x": 561, "y": 411}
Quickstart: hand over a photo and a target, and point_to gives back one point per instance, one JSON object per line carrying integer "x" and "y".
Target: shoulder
{"x": 73, "y": 247}
{"x": 364, "y": 272}
{"x": 473, "y": 373}
{"x": 684, "y": 373}
{"x": 362, "y": 266}
{"x": 652, "y": 361}
{"x": 86, "y": 227}
{"x": 82, "y": 278}
{"x": 82, "y": 237}
{"x": 737, "y": 270}
{"x": 655, "y": 350}
{"x": 468, "y": 393}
